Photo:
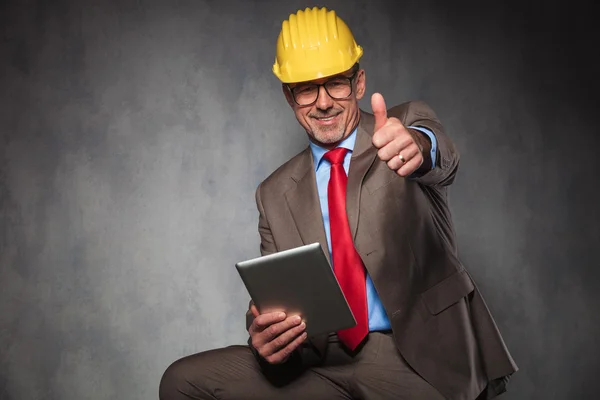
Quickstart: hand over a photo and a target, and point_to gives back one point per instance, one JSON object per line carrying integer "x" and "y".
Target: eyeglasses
{"x": 337, "y": 88}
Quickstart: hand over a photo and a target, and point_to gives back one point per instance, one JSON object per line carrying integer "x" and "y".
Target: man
{"x": 371, "y": 188}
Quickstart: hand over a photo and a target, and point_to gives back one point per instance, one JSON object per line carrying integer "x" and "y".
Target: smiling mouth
{"x": 326, "y": 118}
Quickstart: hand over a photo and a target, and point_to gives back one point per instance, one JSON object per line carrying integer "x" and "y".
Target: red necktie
{"x": 347, "y": 265}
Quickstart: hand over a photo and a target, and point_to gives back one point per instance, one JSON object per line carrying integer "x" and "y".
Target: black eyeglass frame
{"x": 318, "y": 85}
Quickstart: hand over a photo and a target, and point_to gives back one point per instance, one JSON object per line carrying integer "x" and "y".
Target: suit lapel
{"x": 363, "y": 155}
{"x": 303, "y": 202}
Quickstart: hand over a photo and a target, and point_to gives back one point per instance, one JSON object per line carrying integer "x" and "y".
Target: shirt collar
{"x": 318, "y": 152}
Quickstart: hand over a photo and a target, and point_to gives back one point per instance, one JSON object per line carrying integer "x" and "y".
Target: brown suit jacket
{"x": 403, "y": 231}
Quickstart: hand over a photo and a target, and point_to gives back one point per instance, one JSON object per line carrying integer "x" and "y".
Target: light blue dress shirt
{"x": 378, "y": 320}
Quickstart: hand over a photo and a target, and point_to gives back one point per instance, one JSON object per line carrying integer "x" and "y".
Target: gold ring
{"x": 401, "y": 158}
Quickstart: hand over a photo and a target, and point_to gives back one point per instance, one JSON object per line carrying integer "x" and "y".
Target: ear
{"x": 288, "y": 95}
{"x": 361, "y": 84}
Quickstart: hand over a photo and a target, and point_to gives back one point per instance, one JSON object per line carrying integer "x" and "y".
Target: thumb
{"x": 254, "y": 311}
{"x": 379, "y": 110}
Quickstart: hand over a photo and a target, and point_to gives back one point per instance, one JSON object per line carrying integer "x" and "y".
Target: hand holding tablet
{"x": 298, "y": 281}
{"x": 275, "y": 335}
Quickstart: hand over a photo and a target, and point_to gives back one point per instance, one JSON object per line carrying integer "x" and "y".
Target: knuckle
{"x": 279, "y": 343}
{"x": 377, "y": 139}
{"x": 256, "y": 340}
{"x": 256, "y": 323}
{"x": 274, "y": 341}
{"x": 383, "y": 132}
{"x": 272, "y": 330}
{"x": 285, "y": 353}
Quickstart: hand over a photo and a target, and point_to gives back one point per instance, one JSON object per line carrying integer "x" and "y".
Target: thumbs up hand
{"x": 399, "y": 148}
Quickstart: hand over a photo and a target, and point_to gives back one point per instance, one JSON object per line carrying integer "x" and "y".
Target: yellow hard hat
{"x": 313, "y": 44}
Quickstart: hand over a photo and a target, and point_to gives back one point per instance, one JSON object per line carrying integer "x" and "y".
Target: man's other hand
{"x": 275, "y": 336}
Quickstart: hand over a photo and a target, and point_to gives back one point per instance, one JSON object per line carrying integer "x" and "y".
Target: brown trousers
{"x": 376, "y": 372}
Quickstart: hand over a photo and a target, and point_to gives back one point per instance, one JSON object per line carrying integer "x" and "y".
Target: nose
{"x": 324, "y": 101}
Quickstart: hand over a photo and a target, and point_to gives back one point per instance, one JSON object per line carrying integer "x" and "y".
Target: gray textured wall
{"x": 133, "y": 135}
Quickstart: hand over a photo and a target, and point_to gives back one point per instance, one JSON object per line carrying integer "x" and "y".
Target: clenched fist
{"x": 401, "y": 148}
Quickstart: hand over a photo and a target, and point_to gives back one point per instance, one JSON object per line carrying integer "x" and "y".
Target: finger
{"x": 267, "y": 343}
{"x": 266, "y": 334}
{"x": 408, "y": 153}
{"x": 281, "y": 341}
{"x": 379, "y": 110}
{"x": 383, "y": 136}
{"x": 284, "y": 353}
{"x": 411, "y": 166}
{"x": 395, "y": 145}
{"x": 264, "y": 321}
{"x": 254, "y": 311}
{"x": 392, "y": 129}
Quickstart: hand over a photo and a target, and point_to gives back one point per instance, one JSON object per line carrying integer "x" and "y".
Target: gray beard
{"x": 325, "y": 136}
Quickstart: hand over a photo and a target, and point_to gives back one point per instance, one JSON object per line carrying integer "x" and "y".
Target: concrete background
{"x": 134, "y": 133}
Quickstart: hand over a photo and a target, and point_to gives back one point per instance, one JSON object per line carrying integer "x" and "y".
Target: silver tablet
{"x": 298, "y": 281}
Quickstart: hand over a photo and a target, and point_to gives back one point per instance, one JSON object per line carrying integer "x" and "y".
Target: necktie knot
{"x": 336, "y": 156}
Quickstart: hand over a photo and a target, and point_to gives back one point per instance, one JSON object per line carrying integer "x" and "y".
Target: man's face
{"x": 328, "y": 120}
